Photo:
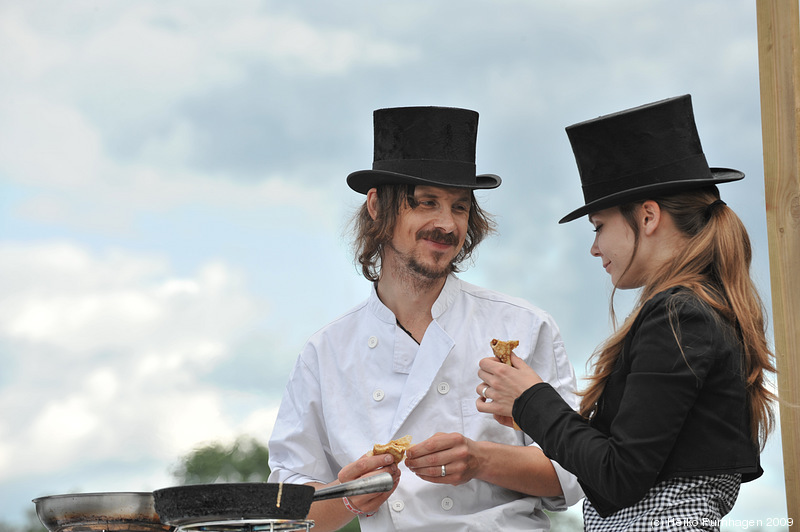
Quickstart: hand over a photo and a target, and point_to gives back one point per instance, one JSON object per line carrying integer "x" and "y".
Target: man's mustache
{"x": 438, "y": 236}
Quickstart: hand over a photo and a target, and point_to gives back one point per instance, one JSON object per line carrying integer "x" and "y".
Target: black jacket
{"x": 667, "y": 410}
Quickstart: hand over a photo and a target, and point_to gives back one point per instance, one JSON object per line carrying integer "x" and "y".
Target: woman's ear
{"x": 650, "y": 217}
{"x": 372, "y": 203}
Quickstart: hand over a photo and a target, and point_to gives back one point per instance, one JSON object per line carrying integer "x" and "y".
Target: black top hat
{"x": 423, "y": 146}
{"x": 647, "y": 151}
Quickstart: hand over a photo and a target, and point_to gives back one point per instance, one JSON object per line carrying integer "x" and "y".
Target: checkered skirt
{"x": 678, "y": 504}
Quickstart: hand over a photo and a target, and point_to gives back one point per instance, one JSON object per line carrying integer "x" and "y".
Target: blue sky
{"x": 173, "y": 211}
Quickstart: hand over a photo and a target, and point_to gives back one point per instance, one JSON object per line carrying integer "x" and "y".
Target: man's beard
{"x": 428, "y": 272}
{"x": 411, "y": 268}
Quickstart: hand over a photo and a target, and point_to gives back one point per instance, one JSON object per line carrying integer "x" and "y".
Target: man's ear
{"x": 650, "y": 217}
{"x": 372, "y": 203}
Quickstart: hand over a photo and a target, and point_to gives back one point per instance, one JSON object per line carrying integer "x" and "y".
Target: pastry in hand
{"x": 502, "y": 350}
{"x": 397, "y": 448}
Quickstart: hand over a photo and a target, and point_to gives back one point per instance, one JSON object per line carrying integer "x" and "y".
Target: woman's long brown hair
{"x": 715, "y": 265}
{"x": 371, "y": 235}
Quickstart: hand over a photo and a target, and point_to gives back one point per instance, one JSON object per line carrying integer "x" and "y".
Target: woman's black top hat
{"x": 644, "y": 152}
{"x": 423, "y": 146}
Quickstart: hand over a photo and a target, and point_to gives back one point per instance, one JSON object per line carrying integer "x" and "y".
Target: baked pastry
{"x": 502, "y": 350}
{"x": 397, "y": 448}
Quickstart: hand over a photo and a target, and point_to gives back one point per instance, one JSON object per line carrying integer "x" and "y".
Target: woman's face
{"x": 615, "y": 243}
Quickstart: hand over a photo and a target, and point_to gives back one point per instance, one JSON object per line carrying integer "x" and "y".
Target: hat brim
{"x": 363, "y": 180}
{"x": 718, "y": 176}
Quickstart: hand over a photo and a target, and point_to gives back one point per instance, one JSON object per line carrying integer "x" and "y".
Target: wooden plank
{"x": 779, "y": 67}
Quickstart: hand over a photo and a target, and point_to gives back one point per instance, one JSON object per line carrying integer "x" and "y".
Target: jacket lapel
{"x": 435, "y": 346}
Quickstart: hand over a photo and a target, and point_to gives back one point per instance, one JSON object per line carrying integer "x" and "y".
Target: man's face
{"x": 430, "y": 231}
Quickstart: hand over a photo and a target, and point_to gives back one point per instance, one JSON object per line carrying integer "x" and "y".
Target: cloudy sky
{"x": 173, "y": 211}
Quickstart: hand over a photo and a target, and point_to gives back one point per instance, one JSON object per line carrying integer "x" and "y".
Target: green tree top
{"x": 246, "y": 460}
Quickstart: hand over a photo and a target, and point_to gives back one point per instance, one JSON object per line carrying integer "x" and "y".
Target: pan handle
{"x": 371, "y": 484}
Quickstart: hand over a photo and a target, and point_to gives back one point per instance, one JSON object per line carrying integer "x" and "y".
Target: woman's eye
{"x": 597, "y": 228}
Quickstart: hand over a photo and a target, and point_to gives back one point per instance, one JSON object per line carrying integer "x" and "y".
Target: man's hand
{"x": 367, "y": 466}
{"x": 457, "y": 453}
{"x": 331, "y": 514}
{"x": 516, "y": 467}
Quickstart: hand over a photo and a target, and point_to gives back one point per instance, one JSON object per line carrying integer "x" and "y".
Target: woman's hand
{"x": 501, "y": 386}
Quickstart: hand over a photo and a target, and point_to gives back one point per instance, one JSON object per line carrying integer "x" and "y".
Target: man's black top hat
{"x": 423, "y": 146}
{"x": 640, "y": 153}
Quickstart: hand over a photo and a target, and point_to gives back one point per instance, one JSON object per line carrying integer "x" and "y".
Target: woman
{"x": 677, "y": 406}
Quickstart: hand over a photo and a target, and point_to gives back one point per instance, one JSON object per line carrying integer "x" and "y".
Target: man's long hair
{"x": 370, "y": 236}
{"x": 715, "y": 266}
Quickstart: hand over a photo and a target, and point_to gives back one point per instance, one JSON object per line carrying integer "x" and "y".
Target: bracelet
{"x": 354, "y": 509}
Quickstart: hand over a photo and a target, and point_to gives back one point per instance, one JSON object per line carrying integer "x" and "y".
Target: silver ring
{"x": 483, "y": 392}
{"x": 443, "y": 471}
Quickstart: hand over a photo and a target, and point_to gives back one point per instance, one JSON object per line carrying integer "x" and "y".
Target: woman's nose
{"x": 594, "y": 250}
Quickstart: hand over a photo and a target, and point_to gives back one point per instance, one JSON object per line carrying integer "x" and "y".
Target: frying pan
{"x": 89, "y": 512}
{"x": 204, "y": 503}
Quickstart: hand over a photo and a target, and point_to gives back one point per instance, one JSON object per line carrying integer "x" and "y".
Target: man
{"x": 405, "y": 361}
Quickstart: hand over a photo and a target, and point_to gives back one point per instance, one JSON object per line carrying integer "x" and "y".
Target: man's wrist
{"x": 353, "y": 509}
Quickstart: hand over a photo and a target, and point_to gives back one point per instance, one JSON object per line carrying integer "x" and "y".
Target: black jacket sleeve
{"x": 649, "y": 400}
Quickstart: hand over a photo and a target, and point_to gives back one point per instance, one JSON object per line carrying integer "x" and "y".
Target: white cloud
{"x": 120, "y": 192}
{"x": 109, "y": 354}
{"x": 69, "y": 93}
{"x": 45, "y": 142}
{"x": 79, "y": 302}
{"x": 297, "y": 46}
{"x": 124, "y": 50}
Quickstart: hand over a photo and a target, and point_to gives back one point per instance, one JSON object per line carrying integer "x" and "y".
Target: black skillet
{"x": 204, "y": 503}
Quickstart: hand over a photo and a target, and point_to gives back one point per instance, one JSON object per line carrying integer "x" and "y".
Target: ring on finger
{"x": 444, "y": 471}
{"x": 483, "y": 392}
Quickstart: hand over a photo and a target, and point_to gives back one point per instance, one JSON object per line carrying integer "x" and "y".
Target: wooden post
{"x": 779, "y": 66}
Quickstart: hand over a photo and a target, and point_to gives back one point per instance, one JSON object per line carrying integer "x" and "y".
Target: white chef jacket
{"x": 362, "y": 380}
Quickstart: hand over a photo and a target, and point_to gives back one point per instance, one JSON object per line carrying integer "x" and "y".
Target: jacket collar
{"x": 450, "y": 290}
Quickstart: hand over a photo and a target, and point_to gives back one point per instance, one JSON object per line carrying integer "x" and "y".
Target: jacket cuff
{"x": 521, "y": 402}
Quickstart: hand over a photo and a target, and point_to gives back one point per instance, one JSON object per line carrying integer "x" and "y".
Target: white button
{"x": 443, "y": 388}
{"x": 378, "y": 395}
{"x": 372, "y": 342}
{"x": 447, "y": 503}
{"x": 398, "y": 506}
